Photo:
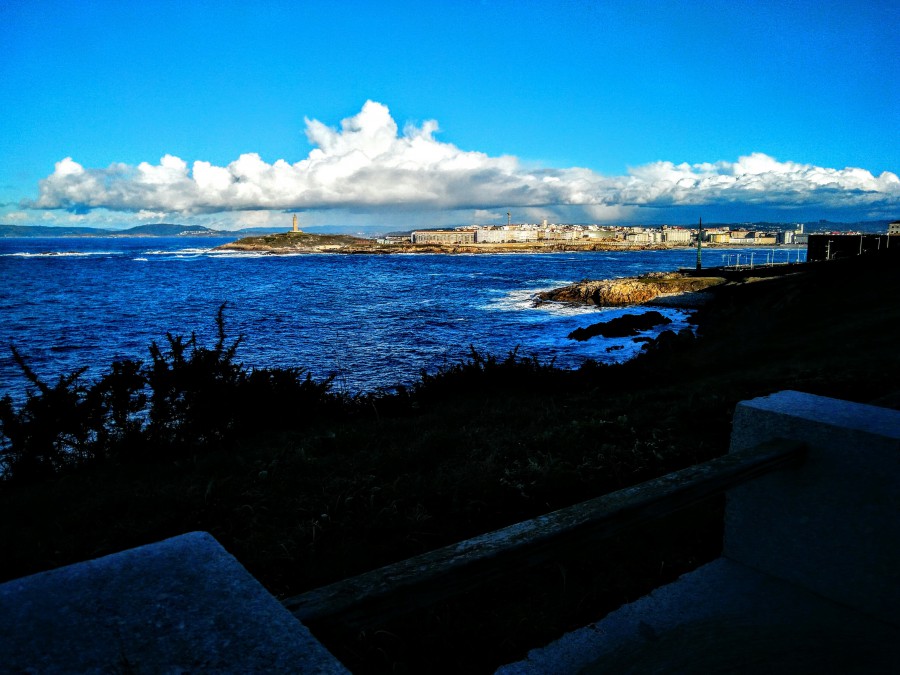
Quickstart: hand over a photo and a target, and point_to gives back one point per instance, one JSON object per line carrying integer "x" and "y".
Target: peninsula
{"x": 523, "y": 238}
{"x": 304, "y": 242}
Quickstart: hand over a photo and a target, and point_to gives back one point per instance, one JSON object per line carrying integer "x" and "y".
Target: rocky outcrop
{"x": 628, "y": 290}
{"x": 622, "y": 326}
{"x": 301, "y": 242}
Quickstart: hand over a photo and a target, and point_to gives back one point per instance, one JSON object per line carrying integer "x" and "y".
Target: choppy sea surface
{"x": 372, "y": 320}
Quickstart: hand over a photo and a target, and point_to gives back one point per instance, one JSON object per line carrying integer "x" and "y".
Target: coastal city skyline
{"x": 398, "y": 116}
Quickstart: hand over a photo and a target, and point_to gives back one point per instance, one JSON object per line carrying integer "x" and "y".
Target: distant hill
{"x": 154, "y": 230}
{"x": 151, "y": 230}
{"x": 47, "y": 231}
{"x": 163, "y": 230}
{"x": 867, "y": 226}
{"x": 253, "y": 231}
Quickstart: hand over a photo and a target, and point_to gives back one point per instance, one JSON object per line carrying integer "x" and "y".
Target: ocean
{"x": 372, "y": 321}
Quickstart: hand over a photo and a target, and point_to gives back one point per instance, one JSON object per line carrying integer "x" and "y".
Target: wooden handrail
{"x": 445, "y": 572}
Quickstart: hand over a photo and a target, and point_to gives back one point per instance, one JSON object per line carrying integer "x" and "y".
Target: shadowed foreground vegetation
{"x": 306, "y": 486}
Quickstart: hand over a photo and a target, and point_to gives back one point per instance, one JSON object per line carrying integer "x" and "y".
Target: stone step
{"x": 723, "y": 618}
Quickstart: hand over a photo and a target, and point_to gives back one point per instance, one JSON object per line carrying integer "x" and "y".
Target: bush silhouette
{"x": 187, "y": 398}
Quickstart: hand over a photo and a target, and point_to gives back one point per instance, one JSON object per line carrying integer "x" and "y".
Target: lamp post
{"x": 699, "y": 240}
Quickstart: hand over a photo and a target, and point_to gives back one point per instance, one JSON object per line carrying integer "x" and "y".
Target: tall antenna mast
{"x": 699, "y": 239}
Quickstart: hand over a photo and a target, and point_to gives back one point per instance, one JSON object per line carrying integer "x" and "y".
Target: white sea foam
{"x": 241, "y": 254}
{"x": 60, "y": 254}
{"x": 237, "y": 254}
{"x": 212, "y": 253}
{"x": 180, "y": 252}
{"x": 524, "y": 300}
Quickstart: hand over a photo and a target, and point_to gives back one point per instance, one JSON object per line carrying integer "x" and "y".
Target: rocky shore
{"x": 627, "y": 325}
{"x": 630, "y": 290}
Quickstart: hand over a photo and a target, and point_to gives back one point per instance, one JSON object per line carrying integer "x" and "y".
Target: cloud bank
{"x": 369, "y": 164}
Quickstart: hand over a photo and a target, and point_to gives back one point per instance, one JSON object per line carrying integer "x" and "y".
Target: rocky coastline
{"x": 647, "y": 288}
{"x": 627, "y": 325}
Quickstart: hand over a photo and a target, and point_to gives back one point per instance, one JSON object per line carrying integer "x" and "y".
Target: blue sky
{"x": 396, "y": 114}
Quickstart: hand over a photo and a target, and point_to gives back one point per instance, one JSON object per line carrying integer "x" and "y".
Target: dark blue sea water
{"x": 373, "y": 320}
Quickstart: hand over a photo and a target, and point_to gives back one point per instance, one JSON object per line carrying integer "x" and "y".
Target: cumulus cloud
{"x": 144, "y": 214}
{"x": 368, "y": 163}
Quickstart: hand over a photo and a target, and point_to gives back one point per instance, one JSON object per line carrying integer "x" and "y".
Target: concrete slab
{"x": 833, "y": 524}
{"x": 723, "y": 618}
{"x": 178, "y": 606}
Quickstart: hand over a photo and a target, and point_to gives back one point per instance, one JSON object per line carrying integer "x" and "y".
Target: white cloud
{"x": 150, "y": 215}
{"x": 486, "y": 215}
{"x": 367, "y": 164}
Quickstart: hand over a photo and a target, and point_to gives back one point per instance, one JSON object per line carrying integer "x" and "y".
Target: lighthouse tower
{"x": 296, "y": 229}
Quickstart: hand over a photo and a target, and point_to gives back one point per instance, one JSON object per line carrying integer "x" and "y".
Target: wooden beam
{"x": 442, "y": 573}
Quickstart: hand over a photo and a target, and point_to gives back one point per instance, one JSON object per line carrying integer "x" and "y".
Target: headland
{"x": 304, "y": 242}
{"x": 527, "y": 238}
